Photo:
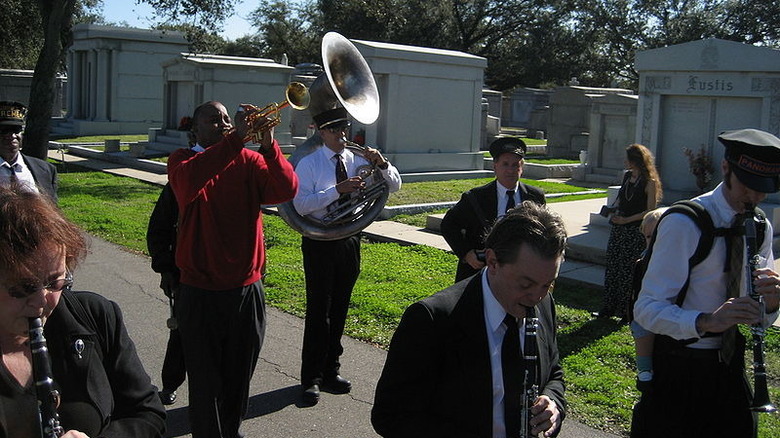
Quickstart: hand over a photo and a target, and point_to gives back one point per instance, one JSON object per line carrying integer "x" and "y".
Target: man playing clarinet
{"x": 455, "y": 367}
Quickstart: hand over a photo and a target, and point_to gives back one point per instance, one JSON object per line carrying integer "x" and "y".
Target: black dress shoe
{"x": 311, "y": 395}
{"x": 167, "y": 397}
{"x": 337, "y": 385}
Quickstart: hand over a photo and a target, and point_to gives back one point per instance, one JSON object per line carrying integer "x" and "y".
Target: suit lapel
{"x": 490, "y": 200}
{"x": 471, "y": 346}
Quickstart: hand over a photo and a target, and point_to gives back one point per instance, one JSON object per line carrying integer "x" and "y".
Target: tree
{"x": 21, "y": 34}
{"x": 201, "y": 40}
{"x": 207, "y": 14}
{"x": 56, "y": 22}
{"x": 286, "y": 28}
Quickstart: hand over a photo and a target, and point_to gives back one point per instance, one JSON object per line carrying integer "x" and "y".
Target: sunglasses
{"x": 339, "y": 128}
{"x": 24, "y": 290}
{"x": 13, "y": 129}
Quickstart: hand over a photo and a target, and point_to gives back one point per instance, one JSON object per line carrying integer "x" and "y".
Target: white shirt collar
{"x": 494, "y": 312}
{"x": 11, "y": 164}
{"x": 198, "y": 148}
{"x": 719, "y": 207}
{"x": 501, "y": 189}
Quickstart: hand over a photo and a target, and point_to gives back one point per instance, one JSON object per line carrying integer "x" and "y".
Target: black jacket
{"x": 437, "y": 378}
{"x": 44, "y": 174}
{"x": 107, "y": 373}
{"x": 161, "y": 233}
{"x": 465, "y": 224}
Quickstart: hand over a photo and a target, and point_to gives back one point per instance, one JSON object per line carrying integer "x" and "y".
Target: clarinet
{"x": 48, "y": 397}
{"x": 531, "y": 378}
{"x": 761, "y": 402}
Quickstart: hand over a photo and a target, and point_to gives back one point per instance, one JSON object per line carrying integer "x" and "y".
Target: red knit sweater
{"x": 219, "y": 192}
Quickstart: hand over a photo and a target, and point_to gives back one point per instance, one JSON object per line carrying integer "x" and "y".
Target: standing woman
{"x": 639, "y": 193}
{"x": 103, "y": 388}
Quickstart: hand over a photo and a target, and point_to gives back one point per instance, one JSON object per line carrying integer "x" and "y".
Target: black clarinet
{"x": 531, "y": 378}
{"x": 761, "y": 402}
{"x": 48, "y": 397}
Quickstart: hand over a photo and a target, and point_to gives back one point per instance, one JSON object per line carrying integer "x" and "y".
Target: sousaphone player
{"x": 330, "y": 176}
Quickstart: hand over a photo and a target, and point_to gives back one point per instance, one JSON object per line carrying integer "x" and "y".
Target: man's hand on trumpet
{"x": 247, "y": 126}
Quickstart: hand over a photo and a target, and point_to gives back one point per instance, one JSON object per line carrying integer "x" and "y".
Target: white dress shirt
{"x": 23, "y": 174}
{"x": 676, "y": 242}
{"x": 317, "y": 179}
{"x": 494, "y": 325}
{"x": 503, "y": 198}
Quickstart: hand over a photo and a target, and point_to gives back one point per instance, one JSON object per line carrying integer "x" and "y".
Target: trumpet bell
{"x": 297, "y": 95}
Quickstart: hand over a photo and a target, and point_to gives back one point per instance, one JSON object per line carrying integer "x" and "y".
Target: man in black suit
{"x": 445, "y": 373}
{"x": 464, "y": 226}
{"x": 38, "y": 175}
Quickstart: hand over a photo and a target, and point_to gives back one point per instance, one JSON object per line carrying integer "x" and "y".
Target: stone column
{"x": 102, "y": 84}
{"x": 92, "y": 89}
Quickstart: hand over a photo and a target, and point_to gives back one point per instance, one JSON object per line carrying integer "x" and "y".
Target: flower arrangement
{"x": 700, "y": 166}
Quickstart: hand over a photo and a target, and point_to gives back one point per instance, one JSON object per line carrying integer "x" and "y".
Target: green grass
{"x": 550, "y": 161}
{"x": 114, "y": 208}
{"x": 101, "y": 138}
{"x": 597, "y": 355}
{"x": 424, "y": 192}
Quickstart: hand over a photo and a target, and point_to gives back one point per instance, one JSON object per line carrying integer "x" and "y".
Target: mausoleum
{"x": 690, "y": 93}
{"x": 430, "y": 116}
{"x": 115, "y": 79}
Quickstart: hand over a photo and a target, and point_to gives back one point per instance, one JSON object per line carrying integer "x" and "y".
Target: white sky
{"x": 142, "y": 16}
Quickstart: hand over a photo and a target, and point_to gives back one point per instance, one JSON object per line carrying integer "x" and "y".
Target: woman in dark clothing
{"x": 104, "y": 390}
{"x": 639, "y": 193}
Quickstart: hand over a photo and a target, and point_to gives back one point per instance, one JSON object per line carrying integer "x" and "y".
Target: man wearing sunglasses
{"x": 331, "y": 267}
{"x": 38, "y": 175}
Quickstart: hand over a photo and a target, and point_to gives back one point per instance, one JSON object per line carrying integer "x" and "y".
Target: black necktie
{"x": 736, "y": 247}
{"x": 510, "y": 202}
{"x": 13, "y": 169}
{"x": 341, "y": 170}
{"x": 512, "y": 370}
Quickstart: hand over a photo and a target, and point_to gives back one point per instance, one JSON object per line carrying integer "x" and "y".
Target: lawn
{"x": 597, "y": 355}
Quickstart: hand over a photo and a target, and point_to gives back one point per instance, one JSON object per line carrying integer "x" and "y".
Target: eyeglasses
{"x": 13, "y": 129}
{"x": 23, "y": 291}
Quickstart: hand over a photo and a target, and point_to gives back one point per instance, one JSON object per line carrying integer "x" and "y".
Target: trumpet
{"x": 296, "y": 96}
{"x": 761, "y": 402}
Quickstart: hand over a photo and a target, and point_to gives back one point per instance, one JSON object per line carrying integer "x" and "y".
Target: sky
{"x": 142, "y": 16}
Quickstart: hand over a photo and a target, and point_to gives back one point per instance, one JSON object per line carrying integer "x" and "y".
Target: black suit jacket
{"x": 161, "y": 232}
{"x": 437, "y": 378}
{"x": 44, "y": 174}
{"x": 465, "y": 224}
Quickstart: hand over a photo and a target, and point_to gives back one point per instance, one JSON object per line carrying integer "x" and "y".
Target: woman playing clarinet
{"x": 90, "y": 378}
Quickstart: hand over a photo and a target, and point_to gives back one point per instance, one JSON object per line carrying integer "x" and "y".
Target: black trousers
{"x": 331, "y": 269}
{"x": 222, "y": 333}
{"x": 694, "y": 394}
{"x": 173, "y": 369}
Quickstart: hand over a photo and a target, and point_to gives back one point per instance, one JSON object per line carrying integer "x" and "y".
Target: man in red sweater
{"x": 219, "y": 186}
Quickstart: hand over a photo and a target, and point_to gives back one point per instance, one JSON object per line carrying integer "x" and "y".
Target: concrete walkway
{"x": 274, "y": 406}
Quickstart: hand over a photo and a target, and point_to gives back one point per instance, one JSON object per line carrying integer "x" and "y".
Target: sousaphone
{"x": 348, "y": 82}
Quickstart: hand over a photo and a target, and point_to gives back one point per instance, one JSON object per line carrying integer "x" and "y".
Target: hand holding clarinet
{"x": 540, "y": 413}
